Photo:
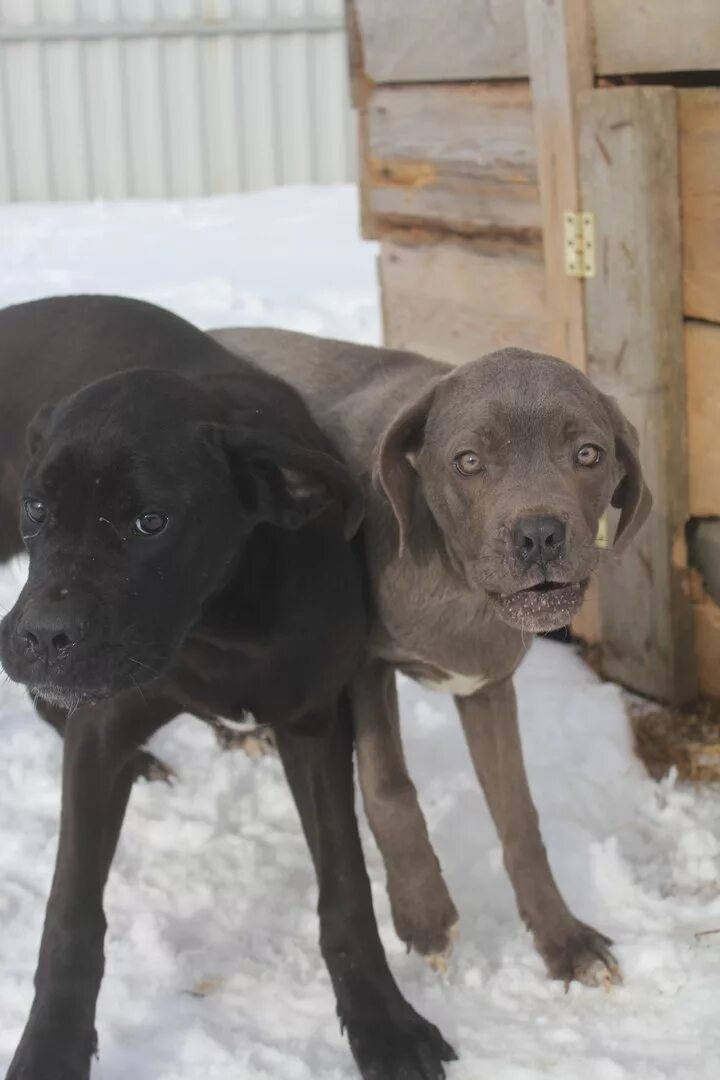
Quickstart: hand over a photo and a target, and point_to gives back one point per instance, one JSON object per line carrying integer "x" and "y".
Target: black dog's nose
{"x": 539, "y": 539}
{"x": 48, "y": 629}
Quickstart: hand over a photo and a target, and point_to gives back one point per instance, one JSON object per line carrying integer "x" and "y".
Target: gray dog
{"x": 485, "y": 486}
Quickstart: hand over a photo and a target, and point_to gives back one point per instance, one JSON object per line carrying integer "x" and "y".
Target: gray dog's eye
{"x": 35, "y": 510}
{"x": 588, "y": 455}
{"x": 150, "y": 524}
{"x": 468, "y": 463}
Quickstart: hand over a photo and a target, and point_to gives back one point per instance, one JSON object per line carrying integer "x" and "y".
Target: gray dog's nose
{"x": 539, "y": 539}
{"x": 48, "y": 629}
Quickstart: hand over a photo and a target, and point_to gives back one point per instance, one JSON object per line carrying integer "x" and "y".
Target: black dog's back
{"x": 52, "y": 347}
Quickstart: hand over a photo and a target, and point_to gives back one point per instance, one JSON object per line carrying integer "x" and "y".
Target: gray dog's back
{"x": 339, "y": 381}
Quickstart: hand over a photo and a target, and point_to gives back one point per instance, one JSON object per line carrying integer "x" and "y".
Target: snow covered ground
{"x": 213, "y": 970}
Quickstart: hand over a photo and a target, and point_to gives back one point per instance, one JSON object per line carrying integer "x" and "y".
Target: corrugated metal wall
{"x": 124, "y": 98}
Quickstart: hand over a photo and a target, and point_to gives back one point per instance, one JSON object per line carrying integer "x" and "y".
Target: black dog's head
{"x": 140, "y": 495}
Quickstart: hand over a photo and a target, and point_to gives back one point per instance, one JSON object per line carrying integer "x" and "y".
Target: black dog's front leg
{"x": 389, "y": 1040}
{"x": 146, "y": 765}
{"x": 98, "y": 772}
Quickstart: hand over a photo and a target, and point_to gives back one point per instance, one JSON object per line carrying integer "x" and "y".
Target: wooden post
{"x": 560, "y": 60}
{"x": 561, "y": 64}
{"x": 360, "y": 93}
{"x": 629, "y": 179}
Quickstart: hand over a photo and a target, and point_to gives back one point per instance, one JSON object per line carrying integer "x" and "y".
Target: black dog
{"x": 187, "y": 527}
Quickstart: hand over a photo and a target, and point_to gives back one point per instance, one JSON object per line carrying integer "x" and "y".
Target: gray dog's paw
{"x": 439, "y": 959}
{"x": 582, "y": 955}
{"x": 429, "y": 925}
{"x": 256, "y": 743}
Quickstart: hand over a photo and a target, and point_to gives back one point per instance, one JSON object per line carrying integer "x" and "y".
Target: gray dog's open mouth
{"x": 545, "y": 606}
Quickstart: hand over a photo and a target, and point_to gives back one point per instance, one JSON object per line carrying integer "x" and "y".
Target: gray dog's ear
{"x": 394, "y": 474}
{"x": 37, "y": 428}
{"x": 631, "y": 495}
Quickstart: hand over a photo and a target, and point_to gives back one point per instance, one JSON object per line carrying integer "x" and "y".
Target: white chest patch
{"x": 457, "y": 685}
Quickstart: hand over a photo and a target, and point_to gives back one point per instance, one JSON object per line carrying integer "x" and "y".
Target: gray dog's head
{"x": 508, "y": 463}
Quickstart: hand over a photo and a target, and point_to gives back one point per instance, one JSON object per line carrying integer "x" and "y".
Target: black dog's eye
{"x": 150, "y": 524}
{"x": 36, "y": 511}
{"x": 468, "y": 463}
{"x": 588, "y": 455}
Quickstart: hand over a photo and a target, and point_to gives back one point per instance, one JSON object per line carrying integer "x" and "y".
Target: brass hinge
{"x": 579, "y": 243}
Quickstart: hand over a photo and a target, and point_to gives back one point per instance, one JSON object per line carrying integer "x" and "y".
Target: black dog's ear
{"x": 631, "y": 495}
{"x": 280, "y": 481}
{"x": 37, "y": 428}
{"x": 394, "y": 473}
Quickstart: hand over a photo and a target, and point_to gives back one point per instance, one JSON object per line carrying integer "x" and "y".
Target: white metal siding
{"x": 123, "y": 98}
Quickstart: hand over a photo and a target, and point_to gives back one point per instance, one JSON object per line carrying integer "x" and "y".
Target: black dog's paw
{"x": 148, "y": 767}
{"x": 581, "y": 954}
{"x": 43, "y": 1055}
{"x": 385, "y": 1048}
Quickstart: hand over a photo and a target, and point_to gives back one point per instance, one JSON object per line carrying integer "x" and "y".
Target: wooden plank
{"x": 699, "y": 124}
{"x": 702, "y": 364}
{"x": 360, "y": 91}
{"x": 656, "y": 35}
{"x": 560, "y": 67}
{"x": 457, "y": 156}
{"x": 428, "y": 41}
{"x": 456, "y": 303}
{"x": 560, "y": 58}
{"x": 360, "y": 85}
{"x": 707, "y": 646}
{"x": 432, "y": 41}
{"x": 629, "y": 178}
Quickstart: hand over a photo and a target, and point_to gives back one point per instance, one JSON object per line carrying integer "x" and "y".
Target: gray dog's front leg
{"x": 571, "y": 949}
{"x": 423, "y": 912}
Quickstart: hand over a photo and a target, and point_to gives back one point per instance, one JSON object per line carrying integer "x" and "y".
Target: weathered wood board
{"x": 629, "y": 178}
{"x": 702, "y": 365}
{"x": 456, "y": 303}
{"x": 438, "y": 40}
{"x": 560, "y": 61}
{"x": 457, "y": 156}
{"x": 559, "y": 50}
{"x": 699, "y": 124}
{"x": 446, "y": 40}
{"x": 463, "y": 157}
{"x": 359, "y": 82}
{"x": 707, "y": 646}
{"x": 634, "y": 36}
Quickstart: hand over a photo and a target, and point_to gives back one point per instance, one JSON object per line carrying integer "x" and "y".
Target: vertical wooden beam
{"x": 359, "y": 82}
{"x": 561, "y": 65}
{"x": 629, "y": 179}
{"x": 360, "y": 92}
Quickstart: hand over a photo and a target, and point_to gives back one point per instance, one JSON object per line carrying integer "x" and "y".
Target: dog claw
{"x": 601, "y": 971}
{"x": 431, "y": 929}
{"x": 584, "y": 957}
{"x": 439, "y": 961}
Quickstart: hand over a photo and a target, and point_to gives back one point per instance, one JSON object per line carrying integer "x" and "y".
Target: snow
{"x": 213, "y": 968}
